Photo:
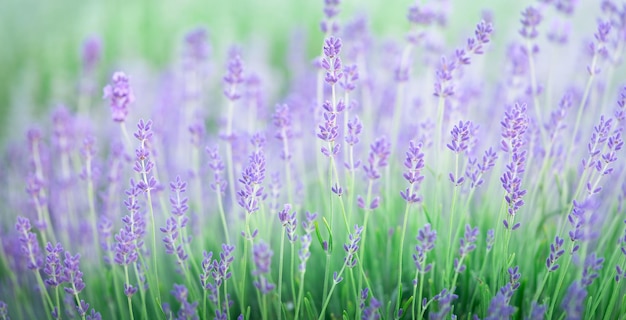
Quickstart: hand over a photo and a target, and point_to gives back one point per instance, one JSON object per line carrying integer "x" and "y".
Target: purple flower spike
{"x": 289, "y": 222}
{"x": 354, "y": 129}
{"x": 28, "y": 244}
{"x": 460, "y": 137}
{"x": 352, "y": 247}
{"x": 537, "y": 312}
{"x": 514, "y": 127}
{"x": 531, "y": 18}
{"x": 121, "y": 95}
{"x": 426, "y": 238}
{"x": 468, "y": 242}
{"x": 234, "y": 76}
{"x": 197, "y": 48}
{"x": 187, "y": 310}
{"x": 91, "y": 53}
{"x": 53, "y": 267}
{"x": 573, "y": 301}
{"x": 445, "y": 299}
{"x": 73, "y": 275}
{"x": 377, "y": 159}
{"x": 556, "y": 251}
{"x": 4, "y": 311}
{"x": 331, "y": 61}
{"x": 262, "y": 255}
{"x": 414, "y": 164}
{"x": 591, "y": 269}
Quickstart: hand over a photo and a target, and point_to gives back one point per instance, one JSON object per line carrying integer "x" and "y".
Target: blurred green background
{"x": 40, "y": 40}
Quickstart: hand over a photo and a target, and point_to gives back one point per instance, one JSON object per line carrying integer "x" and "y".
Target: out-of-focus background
{"x": 40, "y": 41}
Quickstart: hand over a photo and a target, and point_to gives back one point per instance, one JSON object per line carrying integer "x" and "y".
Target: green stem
{"x": 330, "y": 294}
{"x": 130, "y": 306}
{"x": 400, "y": 252}
{"x": 280, "y": 274}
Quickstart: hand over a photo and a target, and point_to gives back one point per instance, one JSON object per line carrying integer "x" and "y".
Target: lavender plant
{"x": 527, "y": 189}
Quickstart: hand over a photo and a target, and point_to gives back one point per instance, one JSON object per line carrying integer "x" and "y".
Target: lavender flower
{"x": 352, "y": 138}
{"x": 371, "y": 311}
{"x": 53, "y": 267}
{"x": 490, "y": 239}
{"x": 143, "y": 163}
{"x": 331, "y": 10}
{"x": 28, "y": 244}
{"x": 514, "y": 127}
{"x": 207, "y": 267}
{"x": 289, "y": 222}
{"x": 282, "y": 121}
{"x": 91, "y": 53}
{"x": 217, "y": 166}
{"x": 251, "y": 179}
{"x": 350, "y": 76}
{"x": 377, "y": 159}
{"x": 443, "y": 74}
{"x": 499, "y": 307}
{"x": 475, "y": 170}
{"x": 531, "y": 18}
{"x": 445, "y": 299}
{"x": 221, "y": 271}
{"x": 621, "y": 272}
{"x": 556, "y": 251}
{"x": 537, "y": 312}
{"x": 73, "y": 275}
{"x": 4, "y": 311}
{"x": 177, "y": 222}
{"x": 197, "y": 48}
{"x": 262, "y": 255}
{"x": 414, "y": 164}
{"x": 573, "y": 301}
{"x": 187, "y": 310}
{"x": 593, "y": 264}
{"x": 234, "y": 76}
{"x": 329, "y": 131}
{"x": 352, "y": 247}
{"x": 460, "y": 139}
{"x": 577, "y": 219}
{"x": 304, "y": 253}
{"x": 121, "y": 95}
{"x": 468, "y": 244}
{"x": 331, "y": 61}
{"x": 426, "y": 238}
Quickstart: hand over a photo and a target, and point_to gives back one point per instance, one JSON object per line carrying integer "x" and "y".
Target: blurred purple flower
{"x": 120, "y": 94}
{"x": 187, "y": 310}
{"x": 29, "y": 244}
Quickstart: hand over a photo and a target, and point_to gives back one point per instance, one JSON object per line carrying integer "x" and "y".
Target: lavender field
{"x": 446, "y": 169}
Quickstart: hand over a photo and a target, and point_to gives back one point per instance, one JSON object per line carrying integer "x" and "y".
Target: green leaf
{"x": 406, "y": 306}
{"x": 330, "y": 236}
{"x": 319, "y": 235}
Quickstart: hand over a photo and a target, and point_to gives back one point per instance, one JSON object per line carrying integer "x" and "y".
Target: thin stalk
{"x": 292, "y": 270}
{"x": 330, "y": 294}
{"x": 326, "y": 277}
{"x": 560, "y": 283}
{"x": 45, "y": 298}
{"x": 280, "y": 274}
{"x": 142, "y": 291}
{"x": 300, "y": 295}
{"x": 130, "y": 305}
{"x": 220, "y": 207}
{"x": 364, "y": 232}
{"x": 92, "y": 207}
{"x": 401, "y": 251}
